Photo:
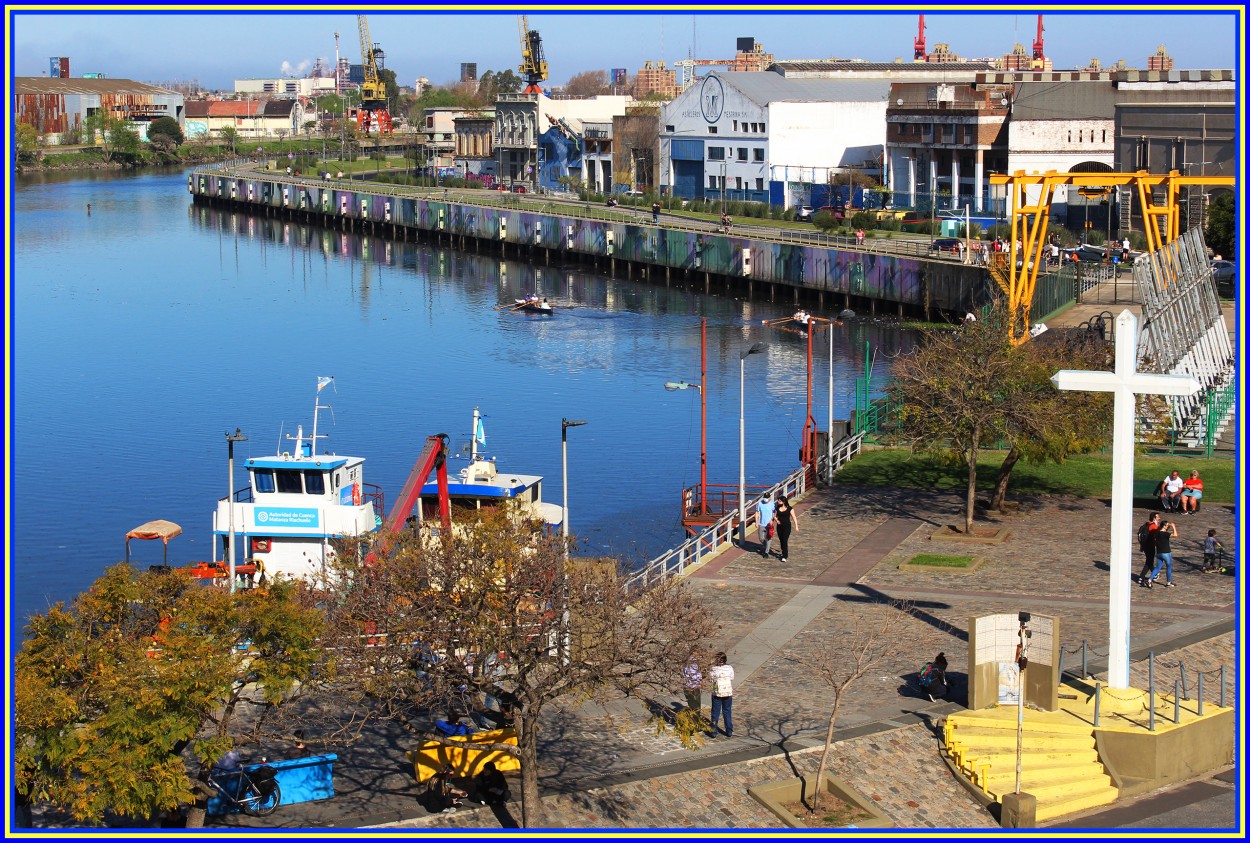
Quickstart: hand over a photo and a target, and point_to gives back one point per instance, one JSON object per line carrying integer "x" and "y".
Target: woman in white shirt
{"x": 721, "y": 678}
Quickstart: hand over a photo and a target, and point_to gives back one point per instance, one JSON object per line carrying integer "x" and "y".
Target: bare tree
{"x": 432, "y": 626}
{"x": 877, "y": 642}
{"x": 588, "y": 83}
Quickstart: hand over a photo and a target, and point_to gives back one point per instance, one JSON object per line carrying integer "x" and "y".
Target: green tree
{"x": 166, "y": 127}
{"x": 500, "y": 609}
{"x": 387, "y": 77}
{"x": 1221, "y": 233}
{"x": 229, "y": 136}
{"x": 29, "y": 143}
{"x": 124, "y": 698}
{"x": 492, "y": 83}
{"x": 121, "y": 141}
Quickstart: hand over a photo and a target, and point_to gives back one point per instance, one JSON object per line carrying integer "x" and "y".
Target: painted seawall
{"x": 892, "y": 283}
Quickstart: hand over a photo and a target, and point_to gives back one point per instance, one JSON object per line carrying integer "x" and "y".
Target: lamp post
{"x": 742, "y": 441}
{"x": 702, "y": 387}
{"x": 829, "y": 427}
{"x": 565, "y": 424}
{"x": 231, "y": 438}
{"x": 1022, "y": 662}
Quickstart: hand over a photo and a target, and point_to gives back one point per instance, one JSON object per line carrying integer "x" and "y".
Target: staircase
{"x": 1060, "y": 766}
{"x": 999, "y": 268}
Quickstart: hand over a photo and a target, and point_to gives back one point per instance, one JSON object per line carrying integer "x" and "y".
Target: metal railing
{"x": 719, "y": 536}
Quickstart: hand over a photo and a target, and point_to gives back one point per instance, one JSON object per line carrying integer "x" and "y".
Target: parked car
{"x": 1224, "y": 272}
{"x": 518, "y": 188}
{"x": 804, "y": 213}
{"x": 835, "y": 211}
{"x": 944, "y": 245}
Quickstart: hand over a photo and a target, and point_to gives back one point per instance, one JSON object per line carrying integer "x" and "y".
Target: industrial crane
{"x": 533, "y": 64}
{"x": 919, "y": 45}
{"x": 1039, "y": 46}
{"x": 373, "y": 112}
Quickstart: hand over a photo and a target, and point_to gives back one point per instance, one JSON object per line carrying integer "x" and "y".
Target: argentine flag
{"x": 322, "y": 383}
{"x": 480, "y": 433}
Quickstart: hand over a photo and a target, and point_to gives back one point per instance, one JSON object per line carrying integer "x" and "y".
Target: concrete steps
{"x": 1059, "y": 760}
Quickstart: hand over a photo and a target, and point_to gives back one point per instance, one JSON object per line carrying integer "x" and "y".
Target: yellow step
{"x": 1056, "y": 726}
{"x": 1052, "y": 810}
{"x": 1044, "y": 781}
{"x": 1000, "y": 738}
{"x": 1030, "y": 760}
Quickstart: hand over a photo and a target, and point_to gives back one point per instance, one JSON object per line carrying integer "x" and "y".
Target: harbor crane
{"x": 1039, "y": 46}
{"x": 533, "y": 64}
{"x": 918, "y": 45}
{"x": 373, "y": 114}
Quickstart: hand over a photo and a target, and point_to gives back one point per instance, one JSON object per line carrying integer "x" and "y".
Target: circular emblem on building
{"x": 712, "y": 99}
{"x": 262, "y": 516}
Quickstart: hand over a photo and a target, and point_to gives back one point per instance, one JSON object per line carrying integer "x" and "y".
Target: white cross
{"x": 1126, "y": 383}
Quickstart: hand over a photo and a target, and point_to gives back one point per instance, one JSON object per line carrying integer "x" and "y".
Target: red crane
{"x": 921, "y": 53}
{"x": 1039, "y": 52}
{"x": 433, "y": 457}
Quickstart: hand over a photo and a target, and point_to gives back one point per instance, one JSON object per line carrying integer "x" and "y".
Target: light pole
{"x": 829, "y": 428}
{"x": 565, "y": 424}
{"x": 702, "y": 387}
{"x": 742, "y": 441}
{"x": 1022, "y": 662}
{"x": 231, "y": 438}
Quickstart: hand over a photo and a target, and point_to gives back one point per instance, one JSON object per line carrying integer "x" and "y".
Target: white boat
{"x": 295, "y": 503}
{"x": 480, "y": 484}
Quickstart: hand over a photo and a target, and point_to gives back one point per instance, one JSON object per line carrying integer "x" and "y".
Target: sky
{"x": 215, "y": 48}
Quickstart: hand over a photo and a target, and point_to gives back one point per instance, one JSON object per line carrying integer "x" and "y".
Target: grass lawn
{"x": 937, "y": 560}
{"x": 1085, "y": 476}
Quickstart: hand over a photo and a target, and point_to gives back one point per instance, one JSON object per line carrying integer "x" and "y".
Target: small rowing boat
{"x": 533, "y": 304}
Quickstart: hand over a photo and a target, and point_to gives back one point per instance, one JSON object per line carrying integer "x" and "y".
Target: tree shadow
{"x": 914, "y": 607}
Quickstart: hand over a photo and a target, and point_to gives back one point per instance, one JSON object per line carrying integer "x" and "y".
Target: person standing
{"x": 765, "y": 511}
{"x": 722, "y": 679}
{"x": 787, "y": 522}
{"x": 1163, "y": 553}
{"x": 1212, "y": 553}
{"x": 655, "y": 213}
{"x": 1146, "y": 541}
{"x": 692, "y": 678}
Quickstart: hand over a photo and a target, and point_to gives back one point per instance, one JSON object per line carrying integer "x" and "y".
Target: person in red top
{"x": 1191, "y": 493}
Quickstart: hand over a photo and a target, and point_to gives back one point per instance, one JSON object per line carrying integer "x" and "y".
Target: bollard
{"x": 1097, "y": 701}
{"x": 1152, "y": 690}
{"x": 1176, "y": 702}
{"x": 1084, "y": 672}
{"x": 1060, "y": 649}
{"x": 1221, "y": 686}
{"x": 1199, "y": 693}
{"x": 1184, "y": 683}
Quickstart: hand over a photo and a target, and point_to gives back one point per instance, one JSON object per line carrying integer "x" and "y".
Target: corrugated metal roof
{"x": 763, "y": 88}
{"x": 52, "y": 85}
{"x": 279, "y": 108}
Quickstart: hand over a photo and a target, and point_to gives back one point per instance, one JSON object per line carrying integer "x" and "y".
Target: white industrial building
{"x": 292, "y": 86}
{"x": 759, "y": 136}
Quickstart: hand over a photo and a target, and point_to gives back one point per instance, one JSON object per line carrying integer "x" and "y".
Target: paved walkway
{"x": 606, "y": 765}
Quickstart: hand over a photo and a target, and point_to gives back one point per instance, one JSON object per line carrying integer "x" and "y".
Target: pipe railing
{"x": 720, "y": 535}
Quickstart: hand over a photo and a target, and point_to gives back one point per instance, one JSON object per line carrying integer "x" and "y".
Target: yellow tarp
{"x": 433, "y": 756}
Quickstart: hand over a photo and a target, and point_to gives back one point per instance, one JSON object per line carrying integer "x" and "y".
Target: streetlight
{"x": 231, "y": 438}
{"x": 702, "y": 387}
{"x": 565, "y": 424}
{"x": 742, "y": 441}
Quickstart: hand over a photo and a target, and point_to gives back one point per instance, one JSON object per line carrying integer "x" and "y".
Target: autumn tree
{"x": 1221, "y": 232}
{"x": 428, "y": 625}
{"x": 29, "y": 143}
{"x": 588, "y": 83}
{"x": 126, "y": 696}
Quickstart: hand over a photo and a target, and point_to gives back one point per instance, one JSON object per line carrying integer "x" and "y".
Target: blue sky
{"x": 216, "y": 48}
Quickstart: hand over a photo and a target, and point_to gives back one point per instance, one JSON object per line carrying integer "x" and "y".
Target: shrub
{"x": 824, "y": 221}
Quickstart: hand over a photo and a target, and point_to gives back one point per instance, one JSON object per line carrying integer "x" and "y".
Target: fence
{"x": 717, "y": 537}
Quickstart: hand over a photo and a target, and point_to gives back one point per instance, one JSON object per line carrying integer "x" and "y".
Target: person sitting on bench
{"x": 1170, "y": 489}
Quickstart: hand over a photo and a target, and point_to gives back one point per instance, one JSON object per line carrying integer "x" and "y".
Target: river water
{"x": 144, "y": 331}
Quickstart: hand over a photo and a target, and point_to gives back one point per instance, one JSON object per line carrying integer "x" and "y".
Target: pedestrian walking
{"x": 765, "y": 511}
{"x": 655, "y": 213}
{"x": 787, "y": 522}
{"x": 722, "y": 679}
{"x": 1163, "y": 553}
{"x": 1146, "y": 541}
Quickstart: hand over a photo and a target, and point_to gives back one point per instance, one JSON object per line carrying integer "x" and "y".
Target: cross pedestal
{"x": 1126, "y": 383}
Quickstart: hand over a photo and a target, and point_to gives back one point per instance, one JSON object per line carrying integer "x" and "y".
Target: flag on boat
{"x": 480, "y": 433}
{"x": 322, "y": 383}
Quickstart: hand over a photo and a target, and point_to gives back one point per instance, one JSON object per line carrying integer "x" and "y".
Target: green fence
{"x": 1054, "y": 292}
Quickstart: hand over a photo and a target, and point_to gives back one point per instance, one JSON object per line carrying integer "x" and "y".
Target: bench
{"x": 465, "y": 762}
{"x": 1150, "y": 490}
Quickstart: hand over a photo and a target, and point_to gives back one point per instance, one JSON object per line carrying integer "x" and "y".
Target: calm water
{"x": 145, "y": 331}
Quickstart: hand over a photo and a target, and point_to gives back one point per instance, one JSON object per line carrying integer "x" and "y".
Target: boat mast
{"x": 473, "y": 436}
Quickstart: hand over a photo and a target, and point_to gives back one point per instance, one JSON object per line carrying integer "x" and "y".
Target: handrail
{"x": 713, "y": 540}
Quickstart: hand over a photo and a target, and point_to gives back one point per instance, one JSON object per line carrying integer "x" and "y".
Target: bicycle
{"x": 256, "y": 793}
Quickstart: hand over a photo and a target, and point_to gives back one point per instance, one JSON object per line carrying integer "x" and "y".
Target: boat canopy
{"x": 158, "y": 529}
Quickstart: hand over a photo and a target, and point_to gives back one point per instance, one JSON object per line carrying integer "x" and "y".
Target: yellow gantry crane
{"x": 373, "y": 113}
{"x": 533, "y": 63}
{"x": 1015, "y": 270}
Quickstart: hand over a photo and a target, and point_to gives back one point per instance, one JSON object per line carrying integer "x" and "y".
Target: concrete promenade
{"x": 606, "y": 766}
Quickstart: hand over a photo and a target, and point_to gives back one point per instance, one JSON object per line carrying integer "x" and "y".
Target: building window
{"x": 716, "y": 153}
{"x": 711, "y": 130}
{"x": 762, "y": 129}
{"x": 759, "y": 184}
{"x": 738, "y": 182}
{"x": 742, "y": 153}
{"x": 670, "y": 128}
{"x": 735, "y": 125}
{"x": 757, "y": 154}
{"x": 1104, "y": 135}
